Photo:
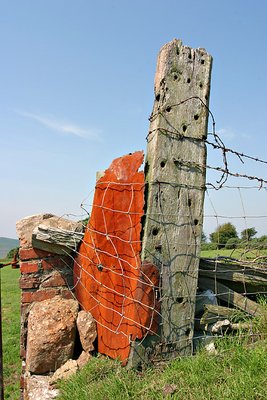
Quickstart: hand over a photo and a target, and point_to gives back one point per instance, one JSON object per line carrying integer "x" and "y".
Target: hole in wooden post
{"x": 179, "y": 300}
{"x": 187, "y": 332}
{"x": 177, "y": 51}
{"x": 175, "y": 77}
{"x": 158, "y": 97}
{"x": 155, "y": 231}
{"x": 196, "y": 117}
{"x": 201, "y": 85}
{"x": 158, "y": 247}
{"x": 202, "y": 62}
{"x": 189, "y": 202}
{"x": 184, "y": 128}
{"x": 162, "y": 164}
{"x": 168, "y": 109}
{"x": 195, "y": 221}
{"x": 190, "y": 55}
{"x": 188, "y": 80}
{"x": 206, "y": 97}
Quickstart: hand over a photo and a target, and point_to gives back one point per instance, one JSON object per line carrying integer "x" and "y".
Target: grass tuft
{"x": 238, "y": 372}
{"x": 10, "y": 297}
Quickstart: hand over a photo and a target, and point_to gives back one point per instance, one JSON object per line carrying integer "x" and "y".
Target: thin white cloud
{"x": 65, "y": 128}
{"x": 226, "y": 133}
{"x": 229, "y": 134}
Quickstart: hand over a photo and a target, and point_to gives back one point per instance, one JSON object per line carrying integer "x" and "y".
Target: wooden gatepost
{"x": 175, "y": 186}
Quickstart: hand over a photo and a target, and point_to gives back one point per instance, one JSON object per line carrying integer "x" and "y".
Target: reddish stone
{"x": 22, "y": 382}
{"x": 56, "y": 262}
{"x": 48, "y": 265}
{"x": 110, "y": 281}
{"x": 31, "y": 254}
{"x": 22, "y": 352}
{"x": 28, "y": 282}
{"x": 66, "y": 294}
{"x": 55, "y": 280}
{"x": 29, "y": 267}
{"x": 39, "y": 295}
{"x": 24, "y": 309}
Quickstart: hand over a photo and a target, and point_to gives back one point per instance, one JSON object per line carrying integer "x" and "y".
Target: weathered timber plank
{"x": 58, "y": 241}
{"x": 213, "y": 313}
{"x": 238, "y": 276}
{"x": 175, "y": 184}
{"x": 247, "y": 268}
{"x": 231, "y": 297}
{"x": 242, "y": 278}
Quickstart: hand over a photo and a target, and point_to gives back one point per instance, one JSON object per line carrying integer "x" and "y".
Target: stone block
{"x": 27, "y": 282}
{"x": 83, "y": 359}
{"x": 27, "y": 267}
{"x": 39, "y": 388}
{"x": 65, "y": 371}
{"x": 51, "y": 334}
{"x": 87, "y": 330}
{"x": 26, "y": 226}
{"x": 39, "y": 295}
{"x": 32, "y": 254}
{"x": 66, "y": 294}
{"x": 56, "y": 279}
{"x": 57, "y": 235}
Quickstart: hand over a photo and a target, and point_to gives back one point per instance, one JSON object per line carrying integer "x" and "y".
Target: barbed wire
{"x": 218, "y": 144}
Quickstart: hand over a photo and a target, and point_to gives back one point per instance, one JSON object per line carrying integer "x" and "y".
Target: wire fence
{"x": 124, "y": 293}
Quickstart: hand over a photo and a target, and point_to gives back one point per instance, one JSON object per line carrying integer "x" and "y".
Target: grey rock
{"x": 38, "y": 388}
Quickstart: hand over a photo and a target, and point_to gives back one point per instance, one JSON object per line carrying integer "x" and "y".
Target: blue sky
{"x": 77, "y": 90}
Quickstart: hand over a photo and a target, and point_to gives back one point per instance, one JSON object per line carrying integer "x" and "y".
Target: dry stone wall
{"x": 49, "y": 311}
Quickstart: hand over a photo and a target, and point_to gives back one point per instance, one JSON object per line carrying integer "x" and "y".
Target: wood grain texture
{"x": 231, "y": 297}
{"x": 111, "y": 282}
{"x": 175, "y": 185}
{"x": 55, "y": 240}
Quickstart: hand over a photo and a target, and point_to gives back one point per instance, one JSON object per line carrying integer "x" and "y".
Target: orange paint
{"x": 110, "y": 281}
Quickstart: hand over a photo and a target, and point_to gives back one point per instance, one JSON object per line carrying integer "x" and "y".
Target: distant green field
{"x": 239, "y": 254}
{"x": 10, "y": 296}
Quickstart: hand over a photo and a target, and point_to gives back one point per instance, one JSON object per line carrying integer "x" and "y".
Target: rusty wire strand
{"x": 217, "y": 144}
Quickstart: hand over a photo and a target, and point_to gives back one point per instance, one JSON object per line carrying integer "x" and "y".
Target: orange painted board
{"x": 110, "y": 281}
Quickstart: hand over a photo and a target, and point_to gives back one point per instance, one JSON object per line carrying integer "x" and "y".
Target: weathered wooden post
{"x": 175, "y": 186}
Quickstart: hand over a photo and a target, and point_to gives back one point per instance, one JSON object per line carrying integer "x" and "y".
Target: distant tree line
{"x": 12, "y": 252}
{"x": 225, "y": 236}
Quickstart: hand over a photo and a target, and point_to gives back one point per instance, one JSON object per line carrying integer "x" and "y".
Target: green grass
{"x": 10, "y": 295}
{"x": 239, "y": 254}
{"x": 238, "y": 372}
